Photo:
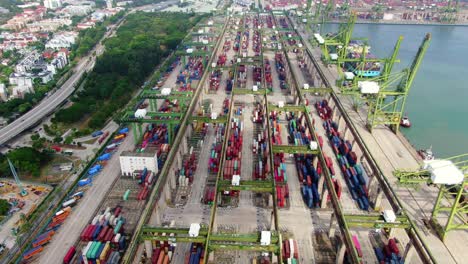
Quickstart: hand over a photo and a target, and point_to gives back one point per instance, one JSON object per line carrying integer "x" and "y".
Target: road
{"x": 84, "y": 211}
{"x": 51, "y": 102}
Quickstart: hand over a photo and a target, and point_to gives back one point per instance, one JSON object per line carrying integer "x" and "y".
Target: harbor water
{"x": 438, "y": 101}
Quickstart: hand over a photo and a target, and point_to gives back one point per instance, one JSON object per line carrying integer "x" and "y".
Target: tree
{"x": 26, "y": 160}
{"x": 58, "y": 139}
{"x": 4, "y": 207}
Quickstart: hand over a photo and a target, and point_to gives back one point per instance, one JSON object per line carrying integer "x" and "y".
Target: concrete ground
{"x": 82, "y": 213}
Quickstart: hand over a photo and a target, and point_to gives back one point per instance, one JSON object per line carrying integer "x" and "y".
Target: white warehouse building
{"x": 133, "y": 161}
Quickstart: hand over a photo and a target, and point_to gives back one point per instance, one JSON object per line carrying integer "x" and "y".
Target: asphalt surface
{"x": 85, "y": 210}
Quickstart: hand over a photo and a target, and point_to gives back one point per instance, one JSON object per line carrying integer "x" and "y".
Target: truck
{"x": 68, "y": 152}
{"x": 70, "y": 202}
{"x": 84, "y": 182}
{"x": 97, "y": 133}
{"x": 105, "y": 156}
{"x": 123, "y": 130}
{"x": 56, "y": 148}
{"x": 69, "y": 256}
{"x": 120, "y": 136}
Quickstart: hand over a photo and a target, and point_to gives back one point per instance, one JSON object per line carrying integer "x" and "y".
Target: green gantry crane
{"x": 386, "y": 106}
{"x": 452, "y": 198}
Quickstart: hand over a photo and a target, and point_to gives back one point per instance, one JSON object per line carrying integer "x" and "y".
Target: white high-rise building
{"x": 109, "y": 3}
{"x": 52, "y": 4}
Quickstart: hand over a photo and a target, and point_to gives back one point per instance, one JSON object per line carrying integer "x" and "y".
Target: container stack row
{"x": 195, "y": 256}
{"x": 215, "y": 156}
{"x": 268, "y": 76}
{"x": 156, "y": 136}
{"x": 298, "y": 133}
{"x": 237, "y": 41}
{"x": 146, "y": 179}
{"x": 230, "y": 82}
{"x": 241, "y": 75}
{"x": 309, "y": 177}
{"x": 280, "y": 68}
{"x": 232, "y": 164}
{"x": 389, "y": 253}
{"x": 227, "y": 46}
{"x": 257, "y": 43}
{"x": 189, "y": 166}
{"x": 245, "y": 41}
{"x": 257, "y": 75}
{"x": 193, "y": 70}
{"x": 263, "y": 260}
{"x": 162, "y": 252}
{"x": 355, "y": 176}
{"x": 275, "y": 128}
{"x": 260, "y": 145}
{"x": 210, "y": 192}
{"x": 215, "y": 79}
{"x": 290, "y": 251}
{"x": 281, "y": 179}
{"x": 105, "y": 235}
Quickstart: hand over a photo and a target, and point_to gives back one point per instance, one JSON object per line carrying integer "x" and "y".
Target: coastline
{"x": 401, "y": 23}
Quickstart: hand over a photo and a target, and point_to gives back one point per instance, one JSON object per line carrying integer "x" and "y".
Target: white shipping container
{"x": 70, "y": 202}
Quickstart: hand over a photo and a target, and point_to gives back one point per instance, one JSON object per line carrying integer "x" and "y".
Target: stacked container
{"x": 268, "y": 76}
{"x": 104, "y": 236}
{"x": 215, "y": 79}
{"x": 280, "y": 68}
{"x": 215, "y": 157}
{"x": 309, "y": 177}
{"x": 209, "y": 196}
{"x": 195, "y": 256}
{"x": 290, "y": 251}
{"x": 355, "y": 176}
{"x": 234, "y": 150}
{"x": 389, "y": 253}
{"x": 276, "y": 128}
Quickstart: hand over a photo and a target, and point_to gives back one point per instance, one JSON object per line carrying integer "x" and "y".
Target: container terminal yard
{"x": 250, "y": 149}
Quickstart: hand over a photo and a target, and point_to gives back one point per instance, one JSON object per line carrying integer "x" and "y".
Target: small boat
{"x": 427, "y": 154}
{"x": 405, "y": 122}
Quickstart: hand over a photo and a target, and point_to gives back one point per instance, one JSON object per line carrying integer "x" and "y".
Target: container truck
{"x": 69, "y": 256}
{"x": 123, "y": 130}
{"x": 97, "y": 133}
{"x": 105, "y": 156}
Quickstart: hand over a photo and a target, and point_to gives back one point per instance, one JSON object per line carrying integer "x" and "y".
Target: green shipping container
{"x": 127, "y": 193}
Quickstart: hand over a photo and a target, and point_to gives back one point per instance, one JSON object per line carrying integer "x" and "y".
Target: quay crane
{"x": 387, "y": 93}
{"x": 23, "y": 191}
{"x": 451, "y": 177}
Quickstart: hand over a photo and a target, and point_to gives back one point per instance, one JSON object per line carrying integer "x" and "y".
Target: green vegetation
{"x": 4, "y": 207}
{"x": 141, "y": 44}
{"x": 26, "y": 160}
{"x": 11, "y": 5}
{"x": 88, "y": 38}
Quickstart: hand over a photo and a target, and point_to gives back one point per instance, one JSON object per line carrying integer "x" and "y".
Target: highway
{"x": 51, "y": 102}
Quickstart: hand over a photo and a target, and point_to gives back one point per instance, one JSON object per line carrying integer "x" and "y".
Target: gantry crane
{"x": 388, "y": 98}
{"x": 23, "y": 191}
{"x": 337, "y": 43}
{"x": 451, "y": 177}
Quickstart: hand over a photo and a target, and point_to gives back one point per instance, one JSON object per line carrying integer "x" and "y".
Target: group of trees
{"x": 141, "y": 43}
{"x": 26, "y": 160}
{"x": 4, "y": 207}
